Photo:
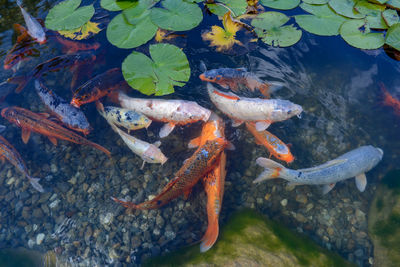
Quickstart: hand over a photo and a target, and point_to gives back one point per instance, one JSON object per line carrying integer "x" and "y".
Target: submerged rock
{"x": 250, "y": 239}
{"x": 384, "y": 221}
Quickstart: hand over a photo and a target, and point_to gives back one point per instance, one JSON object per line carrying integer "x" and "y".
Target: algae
{"x": 252, "y": 239}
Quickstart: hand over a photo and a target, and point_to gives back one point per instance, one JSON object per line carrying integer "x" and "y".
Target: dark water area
{"x": 337, "y": 85}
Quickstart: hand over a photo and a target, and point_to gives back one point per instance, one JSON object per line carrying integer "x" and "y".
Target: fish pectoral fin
{"x": 157, "y": 143}
{"x": 25, "y": 134}
{"x": 293, "y": 184}
{"x": 187, "y": 193}
{"x": 325, "y": 165}
{"x": 195, "y": 142}
{"x": 262, "y": 125}
{"x": 141, "y": 167}
{"x": 327, "y": 187}
{"x": 236, "y": 123}
{"x": 166, "y": 129}
{"x": 53, "y": 140}
{"x": 361, "y": 182}
{"x": 230, "y": 146}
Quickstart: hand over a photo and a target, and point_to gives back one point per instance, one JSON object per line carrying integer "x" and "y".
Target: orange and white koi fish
{"x": 197, "y": 166}
{"x": 389, "y": 100}
{"x": 261, "y": 111}
{"x": 7, "y": 151}
{"x": 276, "y": 147}
{"x": 174, "y": 112}
{"x": 212, "y": 129}
{"x": 29, "y": 122}
{"x": 35, "y": 30}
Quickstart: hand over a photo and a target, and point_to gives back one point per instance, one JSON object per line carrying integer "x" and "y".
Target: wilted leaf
{"x": 67, "y": 16}
{"x": 393, "y": 36}
{"x": 357, "y": 33}
{"x": 163, "y": 35}
{"x": 168, "y": 67}
{"x": 114, "y": 5}
{"x": 237, "y": 6}
{"x": 84, "y": 32}
{"x": 390, "y": 16}
{"x": 345, "y": 8}
{"x": 281, "y": 4}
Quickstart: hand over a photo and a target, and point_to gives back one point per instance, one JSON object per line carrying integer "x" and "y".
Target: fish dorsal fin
{"x": 195, "y": 142}
{"x": 325, "y": 165}
{"x": 361, "y": 182}
{"x": 166, "y": 129}
{"x": 327, "y": 187}
{"x": 53, "y": 140}
{"x": 267, "y": 163}
{"x": 25, "y": 134}
{"x": 262, "y": 125}
{"x": 157, "y": 143}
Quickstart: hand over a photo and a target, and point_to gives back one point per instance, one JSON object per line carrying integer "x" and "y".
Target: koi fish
{"x": 29, "y": 122}
{"x": 123, "y": 117}
{"x": 261, "y": 111}
{"x": 149, "y": 153}
{"x": 69, "y": 115}
{"x": 72, "y": 47}
{"x": 35, "y": 30}
{"x": 7, "y": 151}
{"x": 174, "y": 112}
{"x": 197, "y": 166}
{"x": 351, "y": 164}
{"x": 214, "y": 186}
{"x": 53, "y": 64}
{"x": 276, "y": 147}
{"x": 98, "y": 87}
{"x": 236, "y": 80}
{"x": 389, "y": 100}
{"x": 212, "y": 129}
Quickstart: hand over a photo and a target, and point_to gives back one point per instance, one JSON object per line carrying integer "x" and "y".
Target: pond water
{"x": 337, "y": 85}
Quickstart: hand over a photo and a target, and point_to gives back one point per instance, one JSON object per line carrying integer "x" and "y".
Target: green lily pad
{"x": 133, "y": 27}
{"x": 177, "y": 15}
{"x": 281, "y": 4}
{"x": 114, "y": 5}
{"x": 390, "y": 16}
{"x": 268, "y": 27}
{"x": 373, "y": 14}
{"x": 357, "y": 33}
{"x": 379, "y": 1}
{"x": 345, "y": 8}
{"x": 393, "y": 36}
{"x": 67, "y": 16}
{"x": 238, "y": 7}
{"x": 394, "y": 4}
{"x": 168, "y": 67}
{"x": 316, "y": 2}
{"x": 323, "y": 21}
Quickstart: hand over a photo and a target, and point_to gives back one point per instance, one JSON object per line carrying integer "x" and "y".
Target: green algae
{"x": 392, "y": 180}
{"x": 254, "y": 231}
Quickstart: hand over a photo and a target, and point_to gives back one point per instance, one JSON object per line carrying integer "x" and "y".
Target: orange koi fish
{"x": 71, "y": 47}
{"x": 197, "y": 166}
{"x": 7, "y": 151}
{"x": 212, "y": 129}
{"x": 29, "y": 122}
{"x": 276, "y": 147}
{"x": 214, "y": 186}
{"x": 389, "y": 100}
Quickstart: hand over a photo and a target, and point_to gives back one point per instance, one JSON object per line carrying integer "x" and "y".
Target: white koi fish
{"x": 35, "y": 30}
{"x": 351, "y": 164}
{"x": 261, "y": 111}
{"x": 174, "y": 112}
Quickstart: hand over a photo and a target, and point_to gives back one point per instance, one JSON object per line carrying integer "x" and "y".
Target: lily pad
{"x": 394, "y": 4}
{"x": 373, "y": 14}
{"x": 345, "y": 8}
{"x": 316, "y": 2}
{"x": 177, "y": 15}
{"x": 238, "y": 7}
{"x": 269, "y": 28}
{"x": 323, "y": 21}
{"x": 114, "y": 5}
{"x": 67, "y": 16}
{"x": 393, "y": 36}
{"x": 390, "y": 16}
{"x": 86, "y": 31}
{"x": 379, "y": 1}
{"x": 168, "y": 67}
{"x": 281, "y": 4}
{"x": 357, "y": 33}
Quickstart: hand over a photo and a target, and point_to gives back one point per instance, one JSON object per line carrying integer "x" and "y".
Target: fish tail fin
{"x": 99, "y": 106}
{"x": 272, "y": 170}
{"x": 126, "y": 204}
{"x": 21, "y": 81}
{"x": 210, "y": 236}
{"x": 35, "y": 183}
{"x": 19, "y": 3}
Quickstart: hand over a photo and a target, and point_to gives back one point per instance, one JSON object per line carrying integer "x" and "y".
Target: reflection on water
{"x": 20, "y": 257}
{"x": 338, "y": 87}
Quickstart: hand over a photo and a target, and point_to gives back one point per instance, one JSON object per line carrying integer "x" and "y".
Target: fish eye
{"x": 218, "y": 77}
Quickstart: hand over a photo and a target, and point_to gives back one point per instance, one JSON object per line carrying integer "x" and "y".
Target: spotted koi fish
{"x": 29, "y": 122}
{"x": 7, "y": 151}
{"x": 389, "y": 100}
{"x": 35, "y": 30}
{"x": 197, "y": 166}
{"x": 69, "y": 115}
{"x": 276, "y": 147}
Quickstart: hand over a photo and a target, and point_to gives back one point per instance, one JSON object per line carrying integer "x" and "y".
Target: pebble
{"x": 284, "y": 202}
{"x": 10, "y": 181}
{"x": 106, "y": 219}
{"x": 301, "y": 199}
{"x": 39, "y": 238}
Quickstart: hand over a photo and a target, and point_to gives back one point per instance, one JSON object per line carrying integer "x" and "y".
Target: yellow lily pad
{"x": 84, "y": 32}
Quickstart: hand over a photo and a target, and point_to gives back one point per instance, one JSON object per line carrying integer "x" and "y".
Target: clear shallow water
{"x": 337, "y": 85}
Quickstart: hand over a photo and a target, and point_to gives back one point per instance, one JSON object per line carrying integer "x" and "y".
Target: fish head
{"x": 290, "y": 109}
{"x": 154, "y": 155}
{"x": 211, "y": 76}
{"x": 380, "y": 152}
{"x": 288, "y": 158}
{"x": 9, "y": 114}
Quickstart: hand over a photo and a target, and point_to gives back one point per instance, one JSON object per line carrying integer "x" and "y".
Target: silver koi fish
{"x": 261, "y": 111}
{"x": 35, "y": 30}
{"x": 351, "y": 164}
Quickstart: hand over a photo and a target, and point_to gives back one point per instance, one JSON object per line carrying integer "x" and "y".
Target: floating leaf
{"x": 380, "y": 1}
{"x": 373, "y": 14}
{"x": 281, "y": 4}
{"x": 394, "y": 4}
{"x": 84, "y": 32}
{"x": 115, "y": 5}
{"x": 168, "y": 67}
{"x": 324, "y": 20}
{"x": 177, "y": 15}
{"x": 316, "y": 2}
{"x": 390, "y": 16}
{"x": 345, "y": 8}
{"x": 393, "y": 36}
{"x": 163, "y": 35}
{"x": 357, "y": 33}
{"x": 223, "y": 38}
{"x": 269, "y": 28}
{"x": 133, "y": 27}
{"x": 67, "y": 16}
{"x": 238, "y": 7}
